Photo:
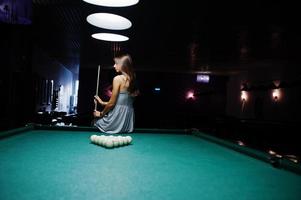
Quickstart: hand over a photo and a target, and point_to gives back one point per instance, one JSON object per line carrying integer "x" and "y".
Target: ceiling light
{"x": 112, "y": 3}
{"x": 109, "y": 21}
{"x": 110, "y": 37}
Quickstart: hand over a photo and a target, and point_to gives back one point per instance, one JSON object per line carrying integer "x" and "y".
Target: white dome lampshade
{"x": 109, "y": 21}
{"x": 110, "y": 37}
{"x": 112, "y": 3}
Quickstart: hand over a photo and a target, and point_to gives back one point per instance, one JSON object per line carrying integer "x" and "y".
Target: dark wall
{"x": 170, "y": 107}
{"x": 260, "y": 104}
{"x": 16, "y": 12}
{"x": 263, "y": 122}
{"x": 15, "y": 75}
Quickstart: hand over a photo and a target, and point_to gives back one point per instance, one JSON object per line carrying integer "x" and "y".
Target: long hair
{"x": 126, "y": 63}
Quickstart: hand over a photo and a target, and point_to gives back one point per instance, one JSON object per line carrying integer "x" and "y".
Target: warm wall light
{"x": 240, "y": 143}
{"x": 276, "y": 83}
{"x": 244, "y": 87}
{"x": 276, "y": 94}
{"x": 271, "y": 152}
{"x": 190, "y": 95}
{"x": 244, "y": 96}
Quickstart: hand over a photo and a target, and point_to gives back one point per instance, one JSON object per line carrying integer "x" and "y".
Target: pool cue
{"x": 97, "y": 84}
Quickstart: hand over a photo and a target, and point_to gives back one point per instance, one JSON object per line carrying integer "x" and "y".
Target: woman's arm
{"x": 100, "y": 101}
{"x": 111, "y": 103}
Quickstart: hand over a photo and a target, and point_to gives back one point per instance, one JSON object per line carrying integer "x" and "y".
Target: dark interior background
{"x": 242, "y": 45}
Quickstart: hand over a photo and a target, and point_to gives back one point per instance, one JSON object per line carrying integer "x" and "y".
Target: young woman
{"x": 118, "y": 113}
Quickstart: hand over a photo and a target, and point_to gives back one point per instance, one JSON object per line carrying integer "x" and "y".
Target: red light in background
{"x": 108, "y": 91}
{"x": 190, "y": 95}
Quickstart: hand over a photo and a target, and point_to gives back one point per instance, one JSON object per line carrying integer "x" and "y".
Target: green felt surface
{"x": 42, "y": 164}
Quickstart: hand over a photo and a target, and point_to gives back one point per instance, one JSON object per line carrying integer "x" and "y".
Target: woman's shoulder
{"x": 118, "y": 77}
{"x": 121, "y": 77}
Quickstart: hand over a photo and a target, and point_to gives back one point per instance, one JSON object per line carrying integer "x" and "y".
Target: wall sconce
{"x": 245, "y": 87}
{"x": 276, "y": 94}
{"x": 244, "y": 96}
{"x": 190, "y": 95}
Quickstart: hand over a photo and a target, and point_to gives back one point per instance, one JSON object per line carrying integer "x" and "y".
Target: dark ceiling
{"x": 57, "y": 30}
{"x": 175, "y": 35}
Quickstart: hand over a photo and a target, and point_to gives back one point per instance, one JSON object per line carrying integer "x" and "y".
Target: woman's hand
{"x": 98, "y": 99}
{"x": 97, "y": 114}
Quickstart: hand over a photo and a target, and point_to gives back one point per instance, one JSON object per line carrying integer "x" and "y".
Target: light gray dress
{"x": 121, "y": 118}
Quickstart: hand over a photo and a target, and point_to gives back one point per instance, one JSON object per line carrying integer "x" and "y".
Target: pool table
{"x": 51, "y": 162}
